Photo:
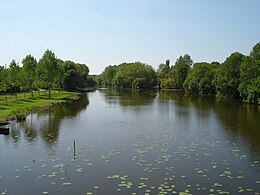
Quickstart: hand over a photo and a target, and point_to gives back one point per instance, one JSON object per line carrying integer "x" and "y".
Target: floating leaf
{"x": 66, "y": 183}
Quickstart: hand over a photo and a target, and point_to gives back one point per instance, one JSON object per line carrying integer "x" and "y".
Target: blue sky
{"x": 101, "y": 33}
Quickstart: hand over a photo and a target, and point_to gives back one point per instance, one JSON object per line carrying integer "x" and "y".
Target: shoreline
{"x": 42, "y": 103}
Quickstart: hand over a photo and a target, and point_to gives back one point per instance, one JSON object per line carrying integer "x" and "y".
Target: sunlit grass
{"x": 27, "y": 103}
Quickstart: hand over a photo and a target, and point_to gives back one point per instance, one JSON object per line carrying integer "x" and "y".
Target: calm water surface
{"x": 145, "y": 142}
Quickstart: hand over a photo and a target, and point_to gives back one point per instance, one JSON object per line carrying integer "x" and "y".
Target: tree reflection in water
{"x": 128, "y": 98}
{"x": 46, "y": 123}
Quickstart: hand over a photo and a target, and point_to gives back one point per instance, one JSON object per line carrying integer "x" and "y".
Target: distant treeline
{"x": 49, "y": 72}
{"x": 237, "y": 77}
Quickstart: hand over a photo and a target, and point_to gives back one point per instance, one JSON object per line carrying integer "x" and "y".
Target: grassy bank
{"x": 21, "y": 107}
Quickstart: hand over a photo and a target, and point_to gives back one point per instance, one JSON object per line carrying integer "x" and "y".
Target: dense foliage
{"x": 200, "y": 77}
{"x": 249, "y": 86}
{"x": 227, "y": 77}
{"x": 174, "y": 77}
{"x": 129, "y": 75}
{"x": 237, "y": 77}
{"x": 48, "y": 73}
{"x": 75, "y": 75}
{"x": 108, "y": 75}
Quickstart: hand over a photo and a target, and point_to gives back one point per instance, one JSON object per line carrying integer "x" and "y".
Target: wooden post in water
{"x": 74, "y": 148}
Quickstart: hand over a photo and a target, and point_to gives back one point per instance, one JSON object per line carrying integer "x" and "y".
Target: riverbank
{"x": 18, "y": 109}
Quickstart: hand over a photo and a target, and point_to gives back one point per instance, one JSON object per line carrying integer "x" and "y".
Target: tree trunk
{"x": 15, "y": 93}
{"x": 49, "y": 90}
{"x": 32, "y": 92}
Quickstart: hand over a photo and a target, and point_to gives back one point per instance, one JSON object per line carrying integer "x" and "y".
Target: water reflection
{"x": 15, "y": 132}
{"x": 240, "y": 121}
{"x": 163, "y": 140}
{"x": 46, "y": 123}
{"x": 129, "y": 98}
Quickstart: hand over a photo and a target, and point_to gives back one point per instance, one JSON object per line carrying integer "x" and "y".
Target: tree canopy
{"x": 237, "y": 77}
{"x": 249, "y": 87}
{"x": 49, "y": 72}
{"x": 227, "y": 77}
{"x": 199, "y": 79}
{"x": 29, "y": 71}
{"x": 129, "y": 75}
{"x": 75, "y": 75}
{"x": 174, "y": 77}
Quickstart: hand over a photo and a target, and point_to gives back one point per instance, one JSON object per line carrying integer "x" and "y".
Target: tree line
{"x": 49, "y": 72}
{"x": 237, "y": 77}
{"x": 128, "y": 75}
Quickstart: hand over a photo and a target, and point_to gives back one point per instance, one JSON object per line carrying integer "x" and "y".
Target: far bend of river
{"x": 145, "y": 142}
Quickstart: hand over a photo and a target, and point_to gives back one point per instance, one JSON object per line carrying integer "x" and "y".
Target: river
{"x": 131, "y": 142}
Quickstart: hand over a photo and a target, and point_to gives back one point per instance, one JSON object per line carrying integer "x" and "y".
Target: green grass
{"x": 25, "y": 104}
{"x": 24, "y": 95}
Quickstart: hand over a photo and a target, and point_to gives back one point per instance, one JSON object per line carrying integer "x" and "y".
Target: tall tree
{"x": 14, "y": 71}
{"x": 5, "y": 80}
{"x": 227, "y": 77}
{"x": 180, "y": 70}
{"x": 1, "y": 78}
{"x": 163, "y": 70}
{"x": 199, "y": 79}
{"x": 60, "y": 74}
{"x": 29, "y": 67}
{"x": 47, "y": 68}
{"x": 135, "y": 75}
{"x": 75, "y": 75}
{"x": 249, "y": 87}
{"x": 167, "y": 63}
{"x": 108, "y": 76}
{"x": 255, "y": 53}
{"x": 163, "y": 73}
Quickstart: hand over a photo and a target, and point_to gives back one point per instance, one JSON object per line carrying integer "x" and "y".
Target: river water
{"x": 131, "y": 142}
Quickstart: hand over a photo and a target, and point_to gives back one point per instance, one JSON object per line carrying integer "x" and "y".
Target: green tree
{"x": 5, "y": 80}
{"x": 227, "y": 78}
{"x": 167, "y": 63}
{"x": 183, "y": 65}
{"x": 255, "y": 52}
{"x": 108, "y": 76}
{"x": 180, "y": 70}
{"x": 135, "y": 75}
{"x": 249, "y": 87}
{"x": 168, "y": 83}
{"x": 75, "y": 75}
{"x": 14, "y": 75}
{"x": 23, "y": 84}
{"x": 163, "y": 71}
{"x": 92, "y": 81}
{"x": 199, "y": 79}
{"x": 60, "y": 74}
{"x": 29, "y": 71}
{"x": 1, "y": 78}
{"x": 47, "y": 68}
